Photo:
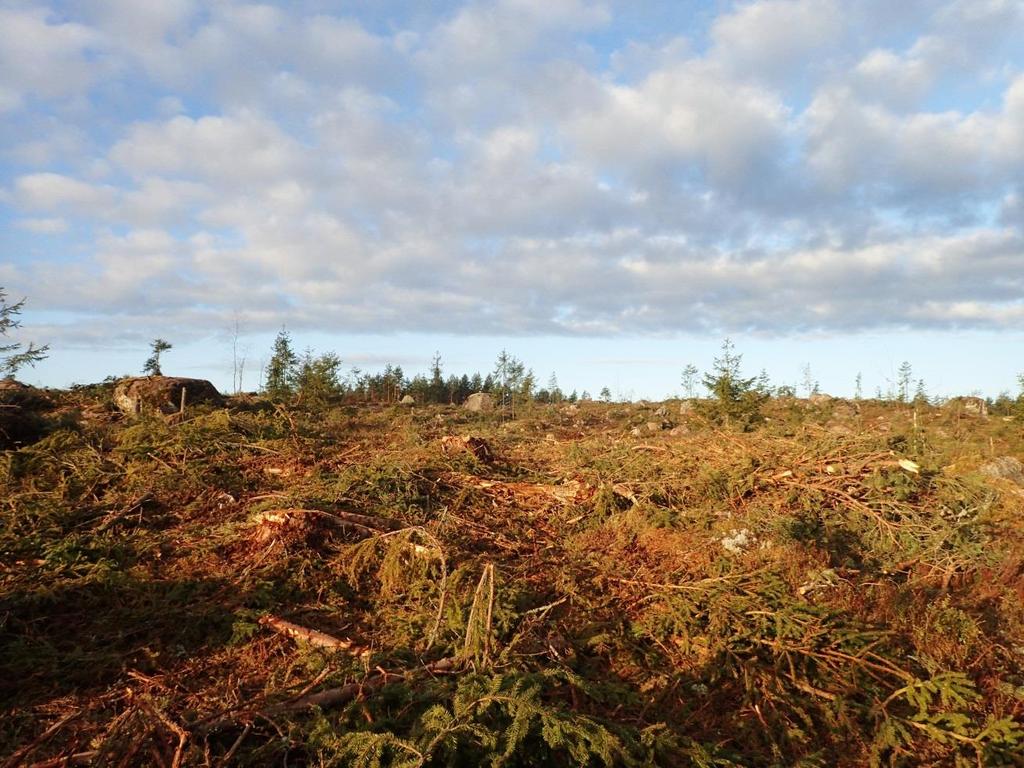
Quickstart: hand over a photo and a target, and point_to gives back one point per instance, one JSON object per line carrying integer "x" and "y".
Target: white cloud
{"x": 43, "y": 57}
{"x": 686, "y": 118}
{"x": 159, "y": 201}
{"x": 50, "y": 191}
{"x": 232, "y": 149}
{"x": 52, "y": 226}
{"x": 894, "y": 80}
{"x": 1010, "y": 127}
{"x": 770, "y": 39}
{"x": 921, "y": 155}
{"x": 502, "y": 167}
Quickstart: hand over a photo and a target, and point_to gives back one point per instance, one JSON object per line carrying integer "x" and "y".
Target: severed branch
{"x": 79, "y": 758}
{"x": 311, "y": 636}
{"x": 346, "y": 521}
{"x": 375, "y": 523}
{"x": 16, "y": 758}
{"x": 331, "y": 697}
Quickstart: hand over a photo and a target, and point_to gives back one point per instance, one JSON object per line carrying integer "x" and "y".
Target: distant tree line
{"x": 733, "y": 399}
{"x": 311, "y": 377}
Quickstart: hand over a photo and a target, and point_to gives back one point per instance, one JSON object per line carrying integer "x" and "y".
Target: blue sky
{"x": 606, "y": 189}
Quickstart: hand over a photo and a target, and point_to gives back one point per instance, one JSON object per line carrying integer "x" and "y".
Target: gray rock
{"x": 1005, "y": 468}
{"x": 479, "y": 402}
{"x": 408, "y": 400}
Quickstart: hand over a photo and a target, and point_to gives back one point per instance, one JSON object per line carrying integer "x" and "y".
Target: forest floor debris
{"x": 366, "y": 585}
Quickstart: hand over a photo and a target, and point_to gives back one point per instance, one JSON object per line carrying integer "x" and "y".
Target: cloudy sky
{"x": 606, "y": 188}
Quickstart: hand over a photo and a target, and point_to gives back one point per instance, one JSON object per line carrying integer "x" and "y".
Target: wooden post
{"x": 181, "y": 410}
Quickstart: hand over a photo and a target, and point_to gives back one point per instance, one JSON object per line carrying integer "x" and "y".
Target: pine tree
{"x": 152, "y": 366}
{"x": 13, "y": 356}
{"x": 281, "y": 368}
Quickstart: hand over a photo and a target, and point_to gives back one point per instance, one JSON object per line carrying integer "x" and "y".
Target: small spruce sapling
{"x": 152, "y": 366}
{"x": 736, "y": 401}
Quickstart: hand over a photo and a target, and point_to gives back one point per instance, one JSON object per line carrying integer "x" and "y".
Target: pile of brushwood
{"x": 381, "y": 586}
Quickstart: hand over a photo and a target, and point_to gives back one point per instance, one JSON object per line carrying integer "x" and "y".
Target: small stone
{"x": 737, "y": 542}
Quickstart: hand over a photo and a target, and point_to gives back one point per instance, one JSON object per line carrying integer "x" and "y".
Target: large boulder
{"x": 162, "y": 394}
{"x": 479, "y": 402}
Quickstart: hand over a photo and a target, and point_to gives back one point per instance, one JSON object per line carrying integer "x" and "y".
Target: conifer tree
{"x": 13, "y": 356}
{"x": 437, "y": 383}
{"x": 690, "y": 374}
{"x": 736, "y": 401}
{"x": 281, "y": 368}
{"x": 152, "y": 365}
{"x": 904, "y": 374}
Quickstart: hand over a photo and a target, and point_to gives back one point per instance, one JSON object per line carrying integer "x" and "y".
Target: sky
{"x": 605, "y": 189}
